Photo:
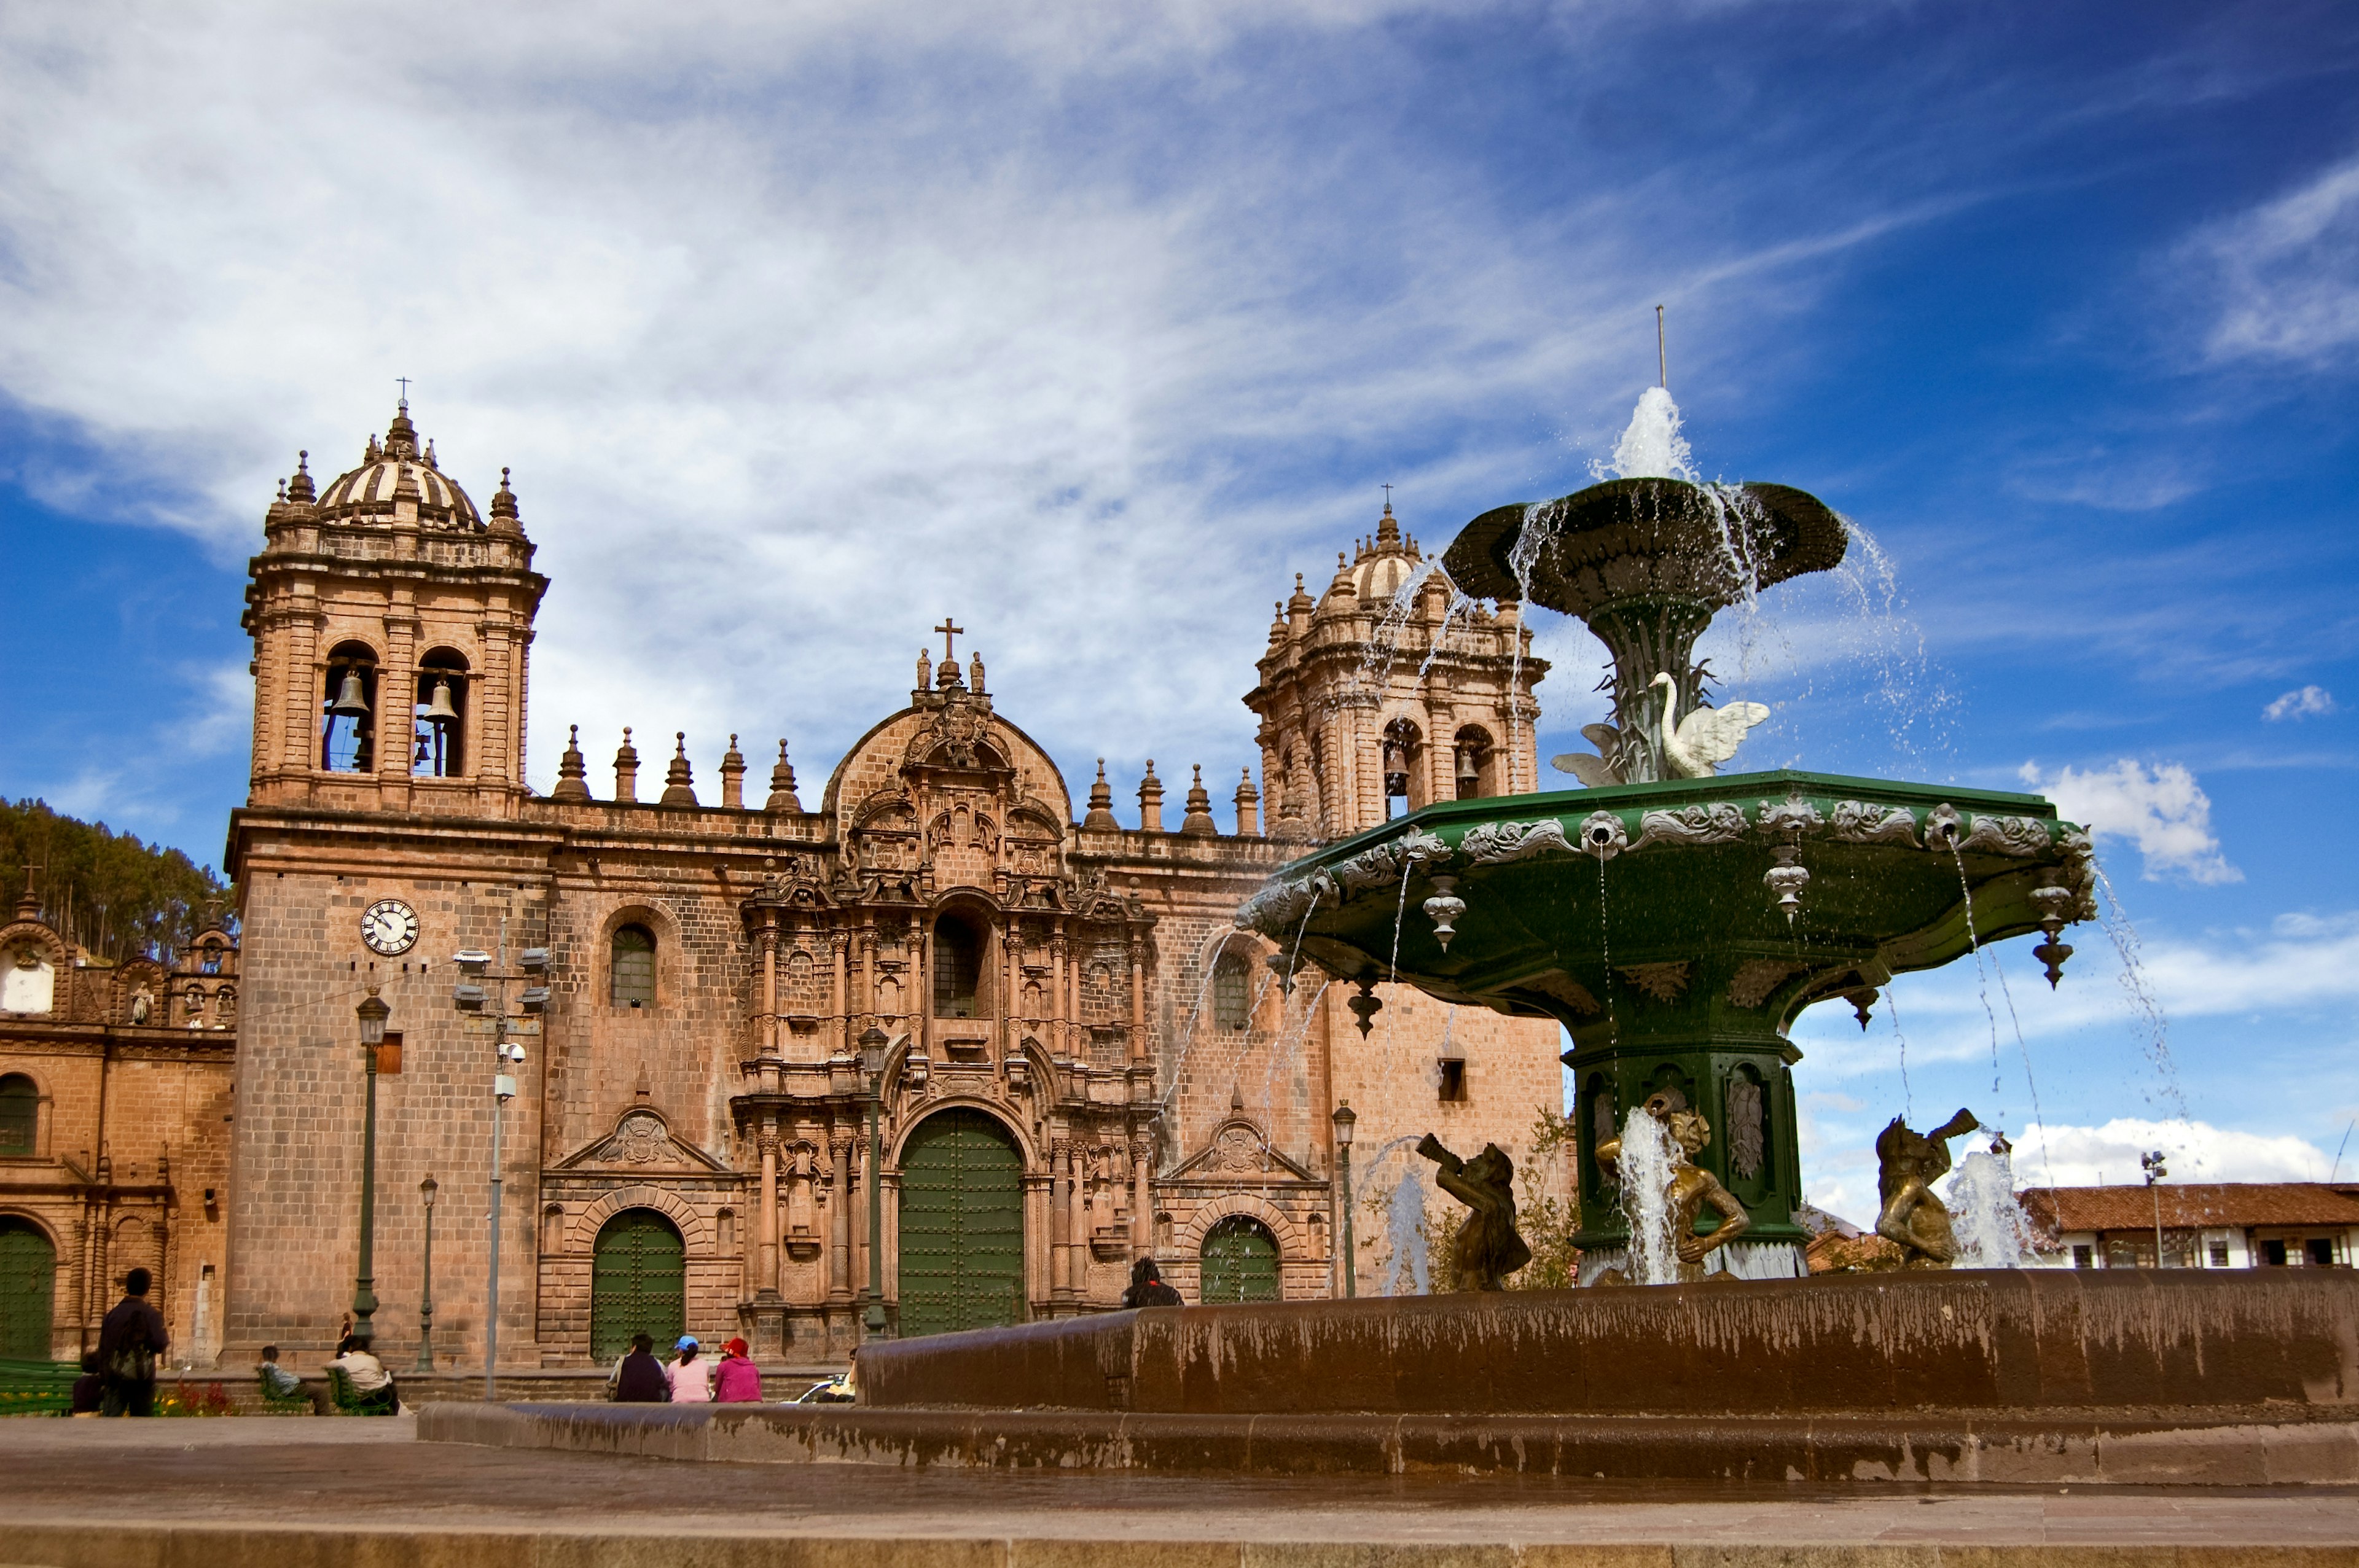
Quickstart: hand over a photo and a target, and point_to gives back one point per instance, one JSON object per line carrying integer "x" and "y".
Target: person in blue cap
{"x": 691, "y": 1375}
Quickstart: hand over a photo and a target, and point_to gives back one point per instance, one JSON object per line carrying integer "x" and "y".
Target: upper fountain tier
{"x": 1647, "y": 563}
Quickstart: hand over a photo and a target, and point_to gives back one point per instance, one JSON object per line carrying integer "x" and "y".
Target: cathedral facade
{"x": 946, "y": 1047}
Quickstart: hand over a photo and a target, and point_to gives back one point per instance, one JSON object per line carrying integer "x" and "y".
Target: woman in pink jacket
{"x": 691, "y": 1379}
{"x": 736, "y": 1381}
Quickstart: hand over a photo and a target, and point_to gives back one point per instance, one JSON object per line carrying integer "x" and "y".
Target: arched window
{"x": 1230, "y": 992}
{"x": 1404, "y": 756}
{"x": 20, "y": 1115}
{"x": 1239, "y": 1262}
{"x": 631, "y": 972}
{"x": 438, "y": 717}
{"x": 957, "y": 967}
{"x": 348, "y": 710}
{"x": 1474, "y": 764}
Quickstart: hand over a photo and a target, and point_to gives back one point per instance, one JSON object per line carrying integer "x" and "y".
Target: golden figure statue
{"x": 1488, "y": 1248}
{"x": 1693, "y": 1190}
{"x": 1908, "y": 1164}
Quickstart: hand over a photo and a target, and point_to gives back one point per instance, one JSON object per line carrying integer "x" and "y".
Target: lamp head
{"x": 427, "y": 1189}
{"x": 372, "y": 1012}
{"x": 873, "y": 1042}
{"x": 1343, "y": 1119}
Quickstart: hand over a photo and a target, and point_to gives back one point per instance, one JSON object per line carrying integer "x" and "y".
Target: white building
{"x": 2209, "y": 1225}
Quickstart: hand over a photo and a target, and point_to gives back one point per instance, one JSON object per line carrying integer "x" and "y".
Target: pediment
{"x": 641, "y": 1141}
{"x": 1238, "y": 1148}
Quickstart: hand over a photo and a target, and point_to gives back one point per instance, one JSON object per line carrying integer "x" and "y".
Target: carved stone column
{"x": 1138, "y": 998}
{"x": 1076, "y": 1224}
{"x": 1142, "y": 1196}
{"x": 1061, "y": 1224}
{"x": 765, "y": 1278}
{"x": 839, "y": 1225}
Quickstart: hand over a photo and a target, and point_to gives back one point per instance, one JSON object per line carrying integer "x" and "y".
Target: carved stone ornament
{"x": 1757, "y": 977}
{"x": 1856, "y": 822}
{"x": 1792, "y": 817}
{"x": 1496, "y": 843}
{"x": 640, "y": 1141}
{"x": 1237, "y": 1151}
{"x": 1563, "y": 987}
{"x": 1721, "y": 823}
{"x": 1603, "y": 835}
{"x": 1748, "y": 1127}
{"x": 1664, "y": 982}
{"x": 1278, "y": 909}
{"x": 1385, "y": 864}
{"x": 2020, "y": 837}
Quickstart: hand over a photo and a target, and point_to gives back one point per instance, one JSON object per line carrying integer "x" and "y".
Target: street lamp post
{"x": 426, "y": 1190}
{"x": 1343, "y": 1119}
{"x": 470, "y": 996}
{"x": 2151, "y": 1163}
{"x": 372, "y": 1012}
{"x": 871, "y": 1067}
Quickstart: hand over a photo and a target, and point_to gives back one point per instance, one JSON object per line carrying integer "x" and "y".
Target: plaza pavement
{"x": 260, "y": 1492}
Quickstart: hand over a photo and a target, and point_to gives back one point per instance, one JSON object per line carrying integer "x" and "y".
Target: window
{"x": 958, "y": 968}
{"x": 2321, "y": 1251}
{"x": 1453, "y": 1080}
{"x": 631, "y": 980}
{"x": 1471, "y": 763}
{"x": 2084, "y": 1257}
{"x": 348, "y": 710}
{"x": 437, "y": 728}
{"x": 2219, "y": 1254}
{"x": 2273, "y": 1253}
{"x": 1229, "y": 998}
{"x": 1404, "y": 753}
{"x": 20, "y": 1114}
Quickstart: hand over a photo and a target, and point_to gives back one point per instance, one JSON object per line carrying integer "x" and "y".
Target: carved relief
{"x": 1720, "y": 823}
{"x": 1748, "y": 1127}
{"x": 1563, "y": 987}
{"x": 1496, "y": 843}
{"x": 1757, "y": 977}
{"x": 1856, "y": 822}
{"x": 1664, "y": 982}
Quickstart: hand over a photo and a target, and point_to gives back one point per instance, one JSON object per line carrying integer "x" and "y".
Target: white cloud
{"x": 2067, "y": 1156}
{"x": 2304, "y": 702}
{"x": 2286, "y": 274}
{"x": 2161, "y": 809}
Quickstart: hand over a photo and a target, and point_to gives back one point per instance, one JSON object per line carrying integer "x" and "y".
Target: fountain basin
{"x": 1648, "y": 919}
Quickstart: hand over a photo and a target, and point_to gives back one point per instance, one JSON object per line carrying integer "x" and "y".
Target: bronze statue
{"x": 1908, "y": 1164}
{"x": 1694, "y": 1189}
{"x": 1488, "y": 1248}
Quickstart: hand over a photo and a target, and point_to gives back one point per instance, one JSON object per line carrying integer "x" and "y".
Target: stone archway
{"x": 961, "y": 1224}
{"x": 1239, "y": 1261}
{"x": 638, "y": 1279}
{"x": 28, "y": 1287}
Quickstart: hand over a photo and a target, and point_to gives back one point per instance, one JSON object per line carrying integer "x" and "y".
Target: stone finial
{"x": 626, "y": 768}
{"x": 946, "y": 674}
{"x": 782, "y": 784}
{"x": 925, "y": 669}
{"x": 572, "y": 777}
{"x": 300, "y": 489}
{"x": 401, "y": 436}
{"x": 1150, "y": 800}
{"x": 974, "y": 672}
{"x": 28, "y": 905}
{"x": 1236, "y": 1098}
{"x": 732, "y": 777}
{"x": 1388, "y": 533}
{"x": 679, "y": 789}
{"x": 504, "y": 502}
{"x": 1101, "y": 814}
{"x": 1197, "y": 823}
{"x": 428, "y": 458}
{"x": 1248, "y": 807}
{"x": 1343, "y": 586}
{"x": 1299, "y": 608}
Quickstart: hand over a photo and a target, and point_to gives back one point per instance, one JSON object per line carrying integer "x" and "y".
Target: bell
{"x": 349, "y": 703}
{"x": 1467, "y": 772}
{"x": 440, "y": 711}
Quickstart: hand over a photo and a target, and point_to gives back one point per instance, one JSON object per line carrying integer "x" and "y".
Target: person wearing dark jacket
{"x": 130, "y": 1342}
{"x": 1147, "y": 1288}
{"x": 639, "y": 1379}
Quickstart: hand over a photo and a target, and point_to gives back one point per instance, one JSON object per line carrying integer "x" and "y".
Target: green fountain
{"x": 1673, "y": 920}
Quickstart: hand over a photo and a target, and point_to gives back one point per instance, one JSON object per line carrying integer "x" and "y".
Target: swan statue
{"x": 1694, "y": 746}
{"x": 1604, "y": 768}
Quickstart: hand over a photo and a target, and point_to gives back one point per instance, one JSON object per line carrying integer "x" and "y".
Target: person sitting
{"x": 639, "y": 1378}
{"x": 372, "y": 1385}
{"x": 1147, "y": 1288}
{"x": 689, "y": 1378}
{"x": 736, "y": 1381}
{"x": 276, "y": 1381}
{"x": 844, "y": 1390}
{"x": 87, "y": 1394}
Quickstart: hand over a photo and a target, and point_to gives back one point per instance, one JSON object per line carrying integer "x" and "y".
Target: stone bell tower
{"x": 391, "y": 625}
{"x": 1389, "y": 692}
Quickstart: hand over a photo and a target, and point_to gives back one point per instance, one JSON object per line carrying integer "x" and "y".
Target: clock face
{"x": 389, "y": 927}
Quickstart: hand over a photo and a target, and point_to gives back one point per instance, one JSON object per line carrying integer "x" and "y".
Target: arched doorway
{"x": 1240, "y": 1261}
{"x": 961, "y": 1225}
{"x": 28, "y": 1286}
{"x": 637, "y": 1283}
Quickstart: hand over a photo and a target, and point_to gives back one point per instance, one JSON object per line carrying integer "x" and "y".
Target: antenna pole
{"x": 1663, "y": 356}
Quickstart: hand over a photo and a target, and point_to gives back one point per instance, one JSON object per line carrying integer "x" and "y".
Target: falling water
{"x": 1649, "y": 1166}
{"x": 2157, "y": 1029}
{"x": 1992, "y": 1229}
{"x": 1404, "y": 1211}
{"x": 1539, "y": 527}
{"x": 1982, "y": 976}
{"x": 1908, "y": 1097}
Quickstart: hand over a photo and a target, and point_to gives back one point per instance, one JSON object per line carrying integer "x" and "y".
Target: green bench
{"x": 298, "y": 1401}
{"x": 37, "y": 1387}
{"x": 350, "y": 1400}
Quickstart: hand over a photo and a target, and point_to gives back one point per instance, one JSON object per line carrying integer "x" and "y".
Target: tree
{"x": 103, "y": 890}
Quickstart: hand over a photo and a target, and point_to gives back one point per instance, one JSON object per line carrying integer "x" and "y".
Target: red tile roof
{"x": 2193, "y": 1206}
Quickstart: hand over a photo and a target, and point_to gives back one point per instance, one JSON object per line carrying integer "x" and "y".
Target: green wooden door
{"x": 962, "y": 1225}
{"x": 1240, "y": 1259}
{"x": 637, "y": 1283}
{"x": 28, "y": 1284}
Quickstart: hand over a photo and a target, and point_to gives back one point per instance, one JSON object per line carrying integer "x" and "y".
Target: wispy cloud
{"x": 2303, "y": 702}
{"x": 2284, "y": 275}
{"x": 2161, "y": 809}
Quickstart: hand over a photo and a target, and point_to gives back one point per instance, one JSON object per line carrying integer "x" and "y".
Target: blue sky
{"x": 1091, "y": 327}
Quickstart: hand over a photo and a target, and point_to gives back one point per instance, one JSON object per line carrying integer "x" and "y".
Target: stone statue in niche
{"x": 1908, "y": 1164}
{"x": 1488, "y": 1248}
{"x": 143, "y": 1002}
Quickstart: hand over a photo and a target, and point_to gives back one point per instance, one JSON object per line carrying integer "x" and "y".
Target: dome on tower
{"x": 1382, "y": 564}
{"x": 396, "y": 470}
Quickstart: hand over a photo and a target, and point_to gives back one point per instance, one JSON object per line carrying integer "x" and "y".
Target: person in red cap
{"x": 736, "y": 1381}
